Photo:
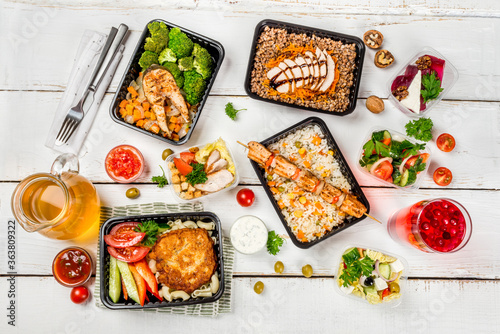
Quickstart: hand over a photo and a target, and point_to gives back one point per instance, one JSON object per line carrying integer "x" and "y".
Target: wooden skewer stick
{"x": 375, "y": 219}
{"x": 241, "y": 143}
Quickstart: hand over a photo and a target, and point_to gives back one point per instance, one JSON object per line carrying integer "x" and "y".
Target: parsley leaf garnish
{"x": 274, "y": 243}
{"x": 432, "y": 87}
{"x": 231, "y": 111}
{"x": 160, "y": 179}
{"x": 197, "y": 175}
{"x": 420, "y": 129}
{"x": 152, "y": 229}
{"x": 355, "y": 267}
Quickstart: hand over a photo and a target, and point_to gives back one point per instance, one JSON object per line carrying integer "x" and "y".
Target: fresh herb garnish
{"x": 274, "y": 243}
{"x": 355, "y": 267}
{"x": 432, "y": 87}
{"x": 420, "y": 129}
{"x": 231, "y": 111}
{"x": 160, "y": 179}
{"x": 197, "y": 175}
{"x": 152, "y": 229}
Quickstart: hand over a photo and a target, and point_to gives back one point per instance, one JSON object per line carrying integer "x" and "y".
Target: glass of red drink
{"x": 439, "y": 225}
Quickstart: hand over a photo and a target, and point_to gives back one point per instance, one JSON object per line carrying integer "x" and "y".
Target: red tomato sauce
{"x": 72, "y": 267}
{"x": 124, "y": 163}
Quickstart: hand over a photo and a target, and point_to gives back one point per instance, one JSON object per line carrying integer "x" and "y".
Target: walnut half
{"x": 424, "y": 62}
{"x": 373, "y": 39}
{"x": 383, "y": 58}
{"x": 400, "y": 93}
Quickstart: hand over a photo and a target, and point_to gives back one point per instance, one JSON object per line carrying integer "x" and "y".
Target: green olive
{"x": 298, "y": 144}
{"x": 258, "y": 287}
{"x": 394, "y": 287}
{"x": 307, "y": 270}
{"x": 168, "y": 152}
{"x": 279, "y": 267}
{"x": 269, "y": 177}
{"x": 281, "y": 189}
{"x": 132, "y": 193}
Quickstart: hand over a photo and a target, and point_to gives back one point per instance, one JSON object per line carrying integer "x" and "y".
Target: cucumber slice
{"x": 370, "y": 289}
{"x": 115, "y": 282}
{"x": 129, "y": 281}
{"x": 384, "y": 269}
{"x": 387, "y": 135}
{"x": 404, "y": 178}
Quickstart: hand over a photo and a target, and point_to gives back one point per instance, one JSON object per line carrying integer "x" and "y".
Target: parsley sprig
{"x": 197, "y": 175}
{"x": 274, "y": 243}
{"x": 231, "y": 111}
{"x": 355, "y": 267}
{"x": 160, "y": 179}
{"x": 432, "y": 87}
{"x": 152, "y": 229}
{"x": 420, "y": 129}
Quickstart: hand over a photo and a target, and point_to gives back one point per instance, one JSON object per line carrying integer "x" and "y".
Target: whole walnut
{"x": 375, "y": 104}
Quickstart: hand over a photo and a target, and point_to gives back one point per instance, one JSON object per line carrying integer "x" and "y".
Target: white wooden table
{"x": 446, "y": 293}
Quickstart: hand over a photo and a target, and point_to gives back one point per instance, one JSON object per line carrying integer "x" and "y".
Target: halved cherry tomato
{"x": 383, "y": 170}
{"x": 124, "y": 227}
{"x": 442, "y": 176}
{"x": 445, "y": 142}
{"x": 183, "y": 167}
{"x": 129, "y": 254}
{"x": 411, "y": 162}
{"x": 187, "y": 157}
{"x": 124, "y": 239}
{"x": 385, "y": 293}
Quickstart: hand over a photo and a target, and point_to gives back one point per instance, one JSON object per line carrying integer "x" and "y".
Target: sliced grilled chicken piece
{"x": 258, "y": 152}
{"x": 278, "y": 80}
{"x": 330, "y": 75}
{"x": 310, "y": 66}
{"x": 284, "y": 167}
{"x": 352, "y": 206}
{"x": 289, "y": 74}
{"x": 322, "y": 67}
{"x": 329, "y": 192}
{"x": 212, "y": 158}
{"x": 274, "y": 72}
{"x": 217, "y": 166}
{"x": 307, "y": 180}
{"x": 216, "y": 181}
{"x": 305, "y": 69}
{"x": 316, "y": 75}
{"x": 319, "y": 188}
{"x": 298, "y": 76}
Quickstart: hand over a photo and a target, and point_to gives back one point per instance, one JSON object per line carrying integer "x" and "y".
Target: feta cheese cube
{"x": 347, "y": 289}
{"x": 412, "y": 101}
{"x": 380, "y": 284}
{"x": 397, "y": 266}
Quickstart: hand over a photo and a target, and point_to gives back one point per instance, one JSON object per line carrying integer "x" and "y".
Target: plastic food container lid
{"x": 400, "y": 137}
{"x": 168, "y": 173}
{"x": 241, "y": 229}
{"x": 450, "y": 76}
{"x": 402, "y": 279}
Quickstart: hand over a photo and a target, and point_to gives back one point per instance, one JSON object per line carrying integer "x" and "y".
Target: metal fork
{"x": 75, "y": 114}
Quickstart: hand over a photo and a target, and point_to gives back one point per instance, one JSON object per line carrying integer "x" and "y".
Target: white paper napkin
{"x": 88, "y": 53}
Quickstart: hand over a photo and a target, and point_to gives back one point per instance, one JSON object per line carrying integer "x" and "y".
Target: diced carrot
{"x": 137, "y": 115}
{"x": 326, "y": 227}
{"x": 123, "y": 111}
{"x": 155, "y": 128}
{"x": 292, "y": 203}
{"x": 300, "y": 234}
{"x": 307, "y": 164}
{"x": 129, "y": 108}
{"x": 316, "y": 140}
{"x": 318, "y": 205}
{"x": 132, "y": 91}
{"x": 167, "y": 109}
{"x": 175, "y": 137}
{"x": 274, "y": 190}
{"x": 147, "y": 114}
{"x": 145, "y": 105}
{"x": 140, "y": 123}
{"x": 281, "y": 204}
{"x": 271, "y": 183}
{"x": 153, "y": 116}
{"x": 285, "y": 144}
{"x": 304, "y": 240}
{"x": 178, "y": 128}
{"x": 123, "y": 103}
{"x": 171, "y": 126}
{"x": 173, "y": 119}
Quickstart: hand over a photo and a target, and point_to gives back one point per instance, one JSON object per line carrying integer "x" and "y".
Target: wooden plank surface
{"x": 430, "y": 306}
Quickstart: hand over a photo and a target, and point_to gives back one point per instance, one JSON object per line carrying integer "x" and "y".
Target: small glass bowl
{"x": 84, "y": 279}
{"x": 137, "y": 153}
{"x": 258, "y": 244}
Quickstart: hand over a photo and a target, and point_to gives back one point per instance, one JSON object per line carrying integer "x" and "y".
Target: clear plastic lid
{"x": 450, "y": 76}
{"x": 177, "y": 155}
{"x": 399, "y": 137}
{"x": 402, "y": 278}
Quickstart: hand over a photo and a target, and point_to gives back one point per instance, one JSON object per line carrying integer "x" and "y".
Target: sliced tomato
{"x": 124, "y": 227}
{"x": 384, "y": 170}
{"x": 146, "y": 273}
{"x": 411, "y": 162}
{"x": 442, "y": 176}
{"x": 183, "y": 167}
{"x": 124, "y": 239}
{"x": 187, "y": 157}
{"x": 389, "y": 179}
{"x": 445, "y": 142}
{"x": 385, "y": 293}
{"x": 128, "y": 254}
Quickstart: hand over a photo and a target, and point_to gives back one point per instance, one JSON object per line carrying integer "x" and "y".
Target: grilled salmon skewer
{"x": 305, "y": 179}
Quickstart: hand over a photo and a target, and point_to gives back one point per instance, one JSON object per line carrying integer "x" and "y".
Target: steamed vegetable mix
{"x": 393, "y": 160}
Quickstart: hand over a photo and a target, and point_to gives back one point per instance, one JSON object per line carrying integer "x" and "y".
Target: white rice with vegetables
{"x": 308, "y": 215}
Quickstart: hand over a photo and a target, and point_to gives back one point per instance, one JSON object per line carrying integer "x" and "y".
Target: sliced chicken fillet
{"x": 217, "y": 166}
{"x": 330, "y": 75}
{"x": 216, "y": 181}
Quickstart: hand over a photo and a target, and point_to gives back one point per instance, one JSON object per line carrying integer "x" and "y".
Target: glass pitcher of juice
{"x": 61, "y": 204}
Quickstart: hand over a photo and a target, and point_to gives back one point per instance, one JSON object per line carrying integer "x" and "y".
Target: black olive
{"x": 369, "y": 281}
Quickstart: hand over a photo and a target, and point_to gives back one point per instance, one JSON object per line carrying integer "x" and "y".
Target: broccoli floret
{"x": 194, "y": 86}
{"x": 180, "y": 43}
{"x": 167, "y": 55}
{"x": 175, "y": 71}
{"x": 158, "y": 39}
{"x": 203, "y": 63}
{"x": 186, "y": 63}
{"x": 148, "y": 58}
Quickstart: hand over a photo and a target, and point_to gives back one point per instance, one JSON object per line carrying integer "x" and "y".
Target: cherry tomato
{"x": 187, "y": 157}
{"x": 442, "y": 176}
{"x": 445, "y": 142}
{"x": 129, "y": 254}
{"x": 123, "y": 227}
{"x": 79, "y": 294}
{"x": 183, "y": 167}
{"x": 383, "y": 170}
{"x": 124, "y": 239}
{"x": 245, "y": 197}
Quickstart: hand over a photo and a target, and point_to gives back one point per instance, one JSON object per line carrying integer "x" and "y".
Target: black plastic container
{"x": 346, "y": 172}
{"x": 215, "y": 49}
{"x": 295, "y": 28}
{"x": 161, "y": 218}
